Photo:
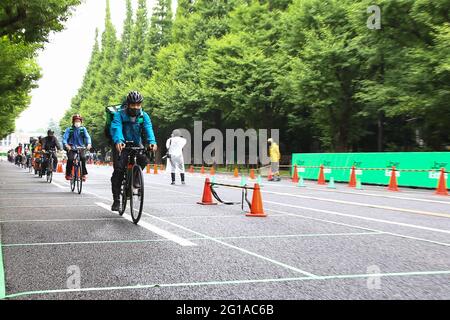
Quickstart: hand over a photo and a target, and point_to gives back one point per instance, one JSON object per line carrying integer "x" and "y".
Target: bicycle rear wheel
{"x": 137, "y": 194}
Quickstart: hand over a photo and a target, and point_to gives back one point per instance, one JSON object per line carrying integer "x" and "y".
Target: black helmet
{"x": 134, "y": 97}
{"x": 50, "y": 132}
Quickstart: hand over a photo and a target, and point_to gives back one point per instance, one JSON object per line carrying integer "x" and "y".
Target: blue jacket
{"x": 77, "y": 139}
{"x": 124, "y": 129}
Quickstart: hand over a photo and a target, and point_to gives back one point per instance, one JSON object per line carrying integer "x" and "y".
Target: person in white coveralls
{"x": 175, "y": 146}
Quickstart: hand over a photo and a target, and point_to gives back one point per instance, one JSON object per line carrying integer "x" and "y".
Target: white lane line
{"x": 154, "y": 229}
{"x": 235, "y": 247}
{"x": 47, "y": 198}
{"x": 50, "y": 206}
{"x": 192, "y": 239}
{"x": 360, "y": 204}
{"x": 59, "y": 220}
{"x": 346, "y": 192}
{"x": 236, "y": 282}
{"x": 363, "y": 228}
{"x": 360, "y": 217}
{"x": 58, "y": 185}
{"x": 221, "y": 242}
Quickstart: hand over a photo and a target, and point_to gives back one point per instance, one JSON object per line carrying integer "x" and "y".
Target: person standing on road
{"x": 129, "y": 124}
{"x": 175, "y": 146}
{"x": 275, "y": 156}
{"x": 74, "y": 137}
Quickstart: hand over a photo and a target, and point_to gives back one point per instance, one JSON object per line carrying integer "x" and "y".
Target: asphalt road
{"x": 315, "y": 243}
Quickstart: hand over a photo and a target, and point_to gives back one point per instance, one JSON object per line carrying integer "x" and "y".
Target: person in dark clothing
{"x": 50, "y": 142}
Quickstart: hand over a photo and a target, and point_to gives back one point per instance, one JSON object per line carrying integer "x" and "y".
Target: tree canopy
{"x": 311, "y": 68}
{"x": 24, "y": 27}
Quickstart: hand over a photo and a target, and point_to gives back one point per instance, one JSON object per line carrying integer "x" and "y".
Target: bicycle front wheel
{"x": 123, "y": 196}
{"x": 79, "y": 181}
{"x": 137, "y": 194}
{"x": 73, "y": 181}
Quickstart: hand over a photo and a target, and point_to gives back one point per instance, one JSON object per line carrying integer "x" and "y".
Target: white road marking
{"x": 154, "y": 229}
{"x": 360, "y": 204}
{"x": 360, "y": 217}
{"x": 362, "y": 228}
{"x": 341, "y": 191}
{"x": 59, "y": 220}
{"x": 237, "y": 282}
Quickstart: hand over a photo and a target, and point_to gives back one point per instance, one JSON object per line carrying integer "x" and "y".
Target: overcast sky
{"x": 64, "y": 61}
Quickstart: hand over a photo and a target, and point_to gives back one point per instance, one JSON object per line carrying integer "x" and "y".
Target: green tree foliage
{"x": 311, "y": 68}
{"x": 24, "y": 28}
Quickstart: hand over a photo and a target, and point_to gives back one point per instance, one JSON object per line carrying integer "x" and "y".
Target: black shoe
{"x": 115, "y": 206}
{"x": 182, "y": 182}
{"x": 173, "y": 183}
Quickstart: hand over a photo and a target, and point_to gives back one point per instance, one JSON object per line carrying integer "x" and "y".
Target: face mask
{"x": 133, "y": 112}
{"x": 77, "y": 124}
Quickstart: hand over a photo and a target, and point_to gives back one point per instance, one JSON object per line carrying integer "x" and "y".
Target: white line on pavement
{"x": 154, "y": 229}
{"x": 359, "y": 217}
{"x": 362, "y": 228}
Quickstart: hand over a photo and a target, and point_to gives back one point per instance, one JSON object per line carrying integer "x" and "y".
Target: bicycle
{"x": 77, "y": 177}
{"x": 132, "y": 187}
{"x": 49, "y": 170}
{"x": 29, "y": 164}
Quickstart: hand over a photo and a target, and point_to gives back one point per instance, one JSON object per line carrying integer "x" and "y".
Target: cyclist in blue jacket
{"x": 129, "y": 124}
{"x": 76, "y": 136}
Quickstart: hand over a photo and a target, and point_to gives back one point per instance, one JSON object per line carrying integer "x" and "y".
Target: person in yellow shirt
{"x": 37, "y": 155}
{"x": 275, "y": 156}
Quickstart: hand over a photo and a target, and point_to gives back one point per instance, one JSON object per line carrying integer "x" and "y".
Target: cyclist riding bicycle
{"x": 19, "y": 152}
{"x": 37, "y": 154}
{"x": 50, "y": 143}
{"x": 74, "y": 137}
{"x": 129, "y": 124}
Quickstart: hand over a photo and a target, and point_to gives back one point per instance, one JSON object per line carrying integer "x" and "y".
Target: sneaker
{"x": 84, "y": 178}
{"x": 115, "y": 206}
{"x": 182, "y": 182}
{"x": 68, "y": 178}
{"x": 173, "y": 183}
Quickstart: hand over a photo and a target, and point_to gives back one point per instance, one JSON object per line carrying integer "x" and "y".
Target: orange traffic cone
{"x": 59, "y": 168}
{"x": 270, "y": 176}
{"x": 212, "y": 171}
{"x": 393, "y": 186}
{"x": 252, "y": 174}
{"x": 155, "y": 168}
{"x": 207, "y": 195}
{"x": 148, "y": 169}
{"x": 295, "y": 175}
{"x": 256, "y": 209}
{"x": 352, "y": 182}
{"x": 236, "y": 172}
{"x": 442, "y": 185}
{"x": 321, "y": 179}
{"x": 202, "y": 170}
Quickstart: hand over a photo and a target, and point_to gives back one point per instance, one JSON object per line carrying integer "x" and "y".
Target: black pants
{"x": 18, "y": 159}
{"x": 120, "y": 163}
{"x": 55, "y": 161}
{"x": 70, "y": 156}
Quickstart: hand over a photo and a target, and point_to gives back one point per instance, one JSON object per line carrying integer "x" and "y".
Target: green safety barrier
{"x": 422, "y": 168}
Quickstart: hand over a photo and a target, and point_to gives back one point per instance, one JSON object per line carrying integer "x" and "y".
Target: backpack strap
{"x": 82, "y": 132}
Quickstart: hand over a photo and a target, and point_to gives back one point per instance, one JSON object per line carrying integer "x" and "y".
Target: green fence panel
{"x": 430, "y": 162}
